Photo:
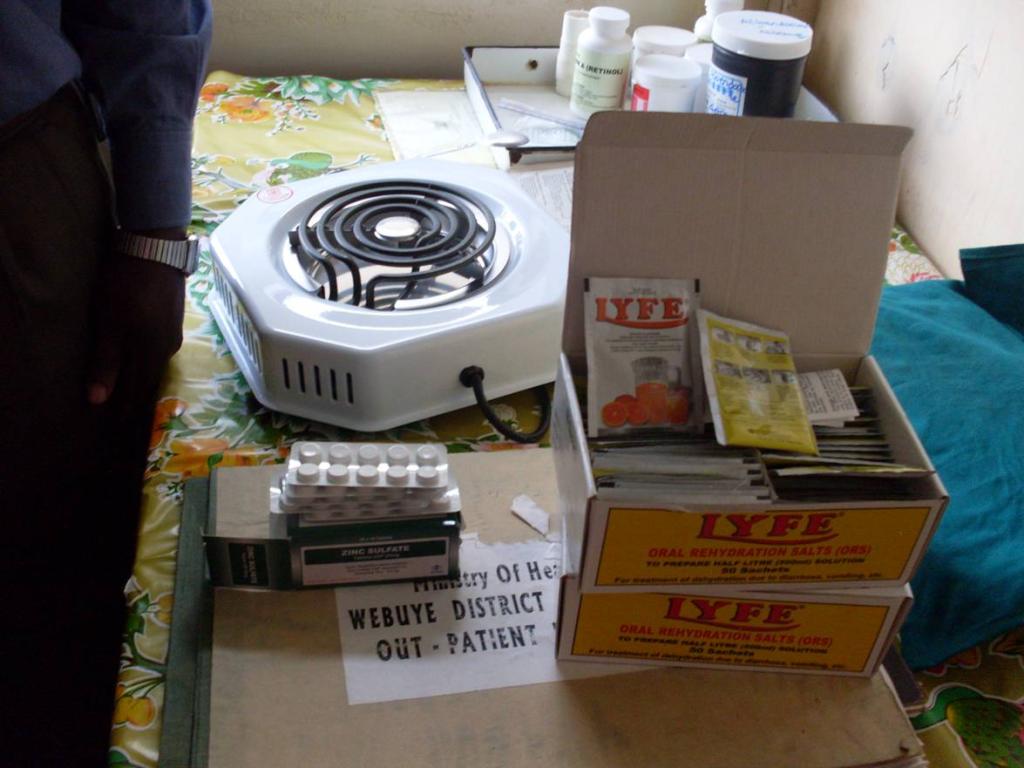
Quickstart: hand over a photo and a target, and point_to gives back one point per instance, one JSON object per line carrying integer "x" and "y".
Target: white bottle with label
{"x": 671, "y": 41}
{"x": 702, "y": 27}
{"x": 602, "y": 62}
{"x": 573, "y": 24}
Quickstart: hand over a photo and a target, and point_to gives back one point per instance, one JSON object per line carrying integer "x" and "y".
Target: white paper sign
{"x": 493, "y": 627}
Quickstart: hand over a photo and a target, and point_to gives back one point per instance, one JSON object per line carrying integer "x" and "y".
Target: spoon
{"x": 502, "y": 138}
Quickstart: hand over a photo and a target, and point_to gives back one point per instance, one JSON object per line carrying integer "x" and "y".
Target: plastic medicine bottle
{"x": 701, "y": 54}
{"x": 602, "y": 62}
{"x": 670, "y": 41}
{"x": 664, "y": 84}
{"x": 757, "y": 64}
{"x": 702, "y": 27}
{"x": 573, "y": 23}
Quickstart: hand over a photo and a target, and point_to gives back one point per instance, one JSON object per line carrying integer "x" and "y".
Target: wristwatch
{"x": 180, "y": 254}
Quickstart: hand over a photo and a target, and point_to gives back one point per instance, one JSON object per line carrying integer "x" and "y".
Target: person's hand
{"x": 139, "y": 311}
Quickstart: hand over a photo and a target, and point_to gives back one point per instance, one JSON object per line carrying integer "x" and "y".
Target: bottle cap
{"x": 607, "y": 21}
{"x": 670, "y": 40}
{"x": 762, "y": 35}
{"x": 723, "y": 6}
{"x": 574, "y": 22}
{"x": 660, "y": 71}
{"x": 701, "y": 54}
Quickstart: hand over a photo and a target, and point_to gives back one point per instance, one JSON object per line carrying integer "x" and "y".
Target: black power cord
{"x": 473, "y": 377}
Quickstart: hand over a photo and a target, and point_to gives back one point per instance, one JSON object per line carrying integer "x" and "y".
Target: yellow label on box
{"x": 659, "y": 546}
{"x": 725, "y": 630}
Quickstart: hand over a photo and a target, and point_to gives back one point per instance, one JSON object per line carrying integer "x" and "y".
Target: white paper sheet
{"x": 527, "y": 510}
{"x": 551, "y": 188}
{"x": 492, "y": 628}
{"x": 438, "y": 124}
{"x": 544, "y": 100}
{"x": 827, "y": 397}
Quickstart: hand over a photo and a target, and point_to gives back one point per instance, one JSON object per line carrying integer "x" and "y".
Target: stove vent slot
{"x": 312, "y": 380}
{"x": 246, "y": 331}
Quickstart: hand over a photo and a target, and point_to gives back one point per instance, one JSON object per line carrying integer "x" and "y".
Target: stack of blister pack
{"x": 366, "y": 512}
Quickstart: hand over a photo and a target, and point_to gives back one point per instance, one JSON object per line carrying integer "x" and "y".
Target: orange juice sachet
{"x": 643, "y": 364}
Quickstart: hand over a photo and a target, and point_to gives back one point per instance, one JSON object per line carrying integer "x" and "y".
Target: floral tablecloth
{"x": 254, "y": 133}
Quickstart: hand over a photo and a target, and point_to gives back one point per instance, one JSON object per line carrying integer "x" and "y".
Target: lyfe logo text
{"x": 774, "y": 529}
{"x": 729, "y": 614}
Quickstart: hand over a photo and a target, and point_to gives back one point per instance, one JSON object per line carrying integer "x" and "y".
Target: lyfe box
{"x": 786, "y": 224}
{"x": 841, "y": 633}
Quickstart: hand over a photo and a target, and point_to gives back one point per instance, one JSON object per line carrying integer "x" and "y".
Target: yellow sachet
{"x": 752, "y": 386}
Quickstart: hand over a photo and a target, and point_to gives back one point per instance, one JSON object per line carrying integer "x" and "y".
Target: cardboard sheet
{"x": 277, "y": 677}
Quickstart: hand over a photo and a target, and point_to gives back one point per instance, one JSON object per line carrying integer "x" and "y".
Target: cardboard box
{"x": 841, "y": 633}
{"x": 786, "y": 224}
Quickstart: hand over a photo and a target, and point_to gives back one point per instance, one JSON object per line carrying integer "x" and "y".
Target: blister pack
{"x": 330, "y": 469}
{"x": 327, "y": 483}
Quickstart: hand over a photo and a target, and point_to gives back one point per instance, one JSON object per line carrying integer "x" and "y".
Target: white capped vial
{"x": 337, "y": 474}
{"x": 427, "y": 475}
{"x": 398, "y": 474}
{"x": 426, "y": 455}
{"x": 367, "y": 473}
{"x": 309, "y": 453}
{"x": 339, "y": 454}
{"x": 308, "y": 473}
{"x": 368, "y": 454}
{"x": 398, "y": 454}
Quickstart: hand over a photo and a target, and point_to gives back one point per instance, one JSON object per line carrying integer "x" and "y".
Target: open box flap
{"x": 785, "y": 223}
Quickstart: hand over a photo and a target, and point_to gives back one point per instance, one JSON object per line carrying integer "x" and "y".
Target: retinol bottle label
{"x": 598, "y": 81}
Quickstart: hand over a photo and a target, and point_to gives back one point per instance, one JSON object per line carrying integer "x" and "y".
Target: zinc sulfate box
{"x": 339, "y": 513}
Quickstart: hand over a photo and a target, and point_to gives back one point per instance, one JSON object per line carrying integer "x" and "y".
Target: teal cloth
{"x": 994, "y": 280}
{"x": 959, "y": 375}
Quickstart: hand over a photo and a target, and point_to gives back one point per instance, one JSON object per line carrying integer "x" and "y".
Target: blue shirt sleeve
{"x": 144, "y": 61}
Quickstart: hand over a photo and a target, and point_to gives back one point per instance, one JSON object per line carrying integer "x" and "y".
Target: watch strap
{"x": 179, "y": 254}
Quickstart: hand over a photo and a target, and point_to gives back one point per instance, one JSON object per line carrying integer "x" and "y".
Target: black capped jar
{"x": 757, "y": 65}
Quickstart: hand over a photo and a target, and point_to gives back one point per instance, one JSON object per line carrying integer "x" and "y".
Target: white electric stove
{"x": 358, "y": 298}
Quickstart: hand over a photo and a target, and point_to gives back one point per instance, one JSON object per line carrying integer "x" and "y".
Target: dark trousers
{"x": 70, "y": 473}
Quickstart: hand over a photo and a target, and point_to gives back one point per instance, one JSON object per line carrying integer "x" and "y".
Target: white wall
{"x": 401, "y": 38}
{"x": 954, "y": 72}
{"x": 391, "y": 38}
